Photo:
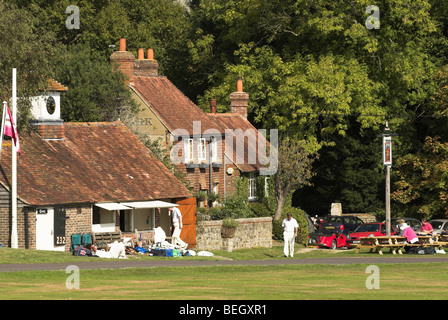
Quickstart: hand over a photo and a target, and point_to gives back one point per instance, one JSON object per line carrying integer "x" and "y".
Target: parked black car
{"x": 341, "y": 224}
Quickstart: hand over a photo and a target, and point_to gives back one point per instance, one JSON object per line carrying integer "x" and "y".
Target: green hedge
{"x": 299, "y": 215}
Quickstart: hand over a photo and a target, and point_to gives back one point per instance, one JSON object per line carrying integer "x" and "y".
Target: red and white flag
{"x": 10, "y": 128}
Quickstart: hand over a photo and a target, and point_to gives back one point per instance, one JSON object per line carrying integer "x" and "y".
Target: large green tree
{"x": 350, "y": 173}
{"x": 96, "y": 91}
{"x": 422, "y": 184}
{"x": 302, "y": 59}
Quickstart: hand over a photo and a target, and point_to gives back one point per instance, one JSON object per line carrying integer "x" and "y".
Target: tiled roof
{"x": 56, "y": 86}
{"x": 233, "y": 121}
{"x": 95, "y": 162}
{"x": 174, "y": 109}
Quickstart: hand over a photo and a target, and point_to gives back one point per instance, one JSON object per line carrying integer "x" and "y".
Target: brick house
{"x": 83, "y": 178}
{"x": 181, "y": 126}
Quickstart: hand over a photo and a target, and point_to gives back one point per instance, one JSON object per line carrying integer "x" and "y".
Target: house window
{"x": 266, "y": 186}
{"x": 252, "y": 186}
{"x": 215, "y": 191}
{"x": 202, "y": 150}
{"x": 188, "y": 150}
{"x": 214, "y": 150}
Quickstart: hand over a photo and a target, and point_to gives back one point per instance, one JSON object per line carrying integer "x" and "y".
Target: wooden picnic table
{"x": 394, "y": 243}
{"x": 397, "y": 243}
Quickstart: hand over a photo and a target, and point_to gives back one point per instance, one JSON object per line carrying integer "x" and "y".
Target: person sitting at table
{"x": 426, "y": 227}
{"x": 408, "y": 232}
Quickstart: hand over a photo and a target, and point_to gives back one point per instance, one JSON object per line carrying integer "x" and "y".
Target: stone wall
{"x": 251, "y": 233}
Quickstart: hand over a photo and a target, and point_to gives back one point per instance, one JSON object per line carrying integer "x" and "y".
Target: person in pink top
{"x": 410, "y": 235}
{"x": 426, "y": 226}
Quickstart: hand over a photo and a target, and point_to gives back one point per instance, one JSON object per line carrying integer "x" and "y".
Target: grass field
{"x": 407, "y": 281}
{"x": 396, "y": 281}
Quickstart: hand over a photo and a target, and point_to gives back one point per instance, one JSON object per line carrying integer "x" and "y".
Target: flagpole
{"x": 14, "y": 236}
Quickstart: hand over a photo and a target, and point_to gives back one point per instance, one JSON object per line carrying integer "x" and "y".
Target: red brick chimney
{"x": 212, "y": 105}
{"x": 50, "y": 131}
{"x": 146, "y": 67}
{"x": 239, "y": 99}
{"x": 124, "y": 60}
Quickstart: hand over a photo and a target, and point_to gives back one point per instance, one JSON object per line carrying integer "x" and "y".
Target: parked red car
{"x": 332, "y": 241}
{"x": 368, "y": 229}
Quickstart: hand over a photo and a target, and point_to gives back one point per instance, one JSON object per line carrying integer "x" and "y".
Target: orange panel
{"x": 187, "y": 208}
{"x": 188, "y": 234}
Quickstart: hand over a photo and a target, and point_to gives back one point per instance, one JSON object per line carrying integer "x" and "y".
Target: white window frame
{"x": 252, "y": 186}
{"x": 188, "y": 148}
{"x": 202, "y": 150}
{"x": 215, "y": 191}
{"x": 266, "y": 186}
{"x": 214, "y": 150}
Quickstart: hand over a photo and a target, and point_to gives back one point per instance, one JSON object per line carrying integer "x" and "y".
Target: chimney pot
{"x": 150, "y": 54}
{"x": 239, "y": 84}
{"x": 122, "y": 46}
{"x": 140, "y": 54}
{"x": 213, "y": 105}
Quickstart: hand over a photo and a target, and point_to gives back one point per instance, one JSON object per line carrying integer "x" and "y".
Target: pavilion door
{"x": 49, "y": 226}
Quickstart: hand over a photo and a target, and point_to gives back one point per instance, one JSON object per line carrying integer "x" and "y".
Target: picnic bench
{"x": 428, "y": 241}
{"x": 147, "y": 237}
{"x": 397, "y": 243}
{"x": 394, "y": 243}
{"x": 101, "y": 239}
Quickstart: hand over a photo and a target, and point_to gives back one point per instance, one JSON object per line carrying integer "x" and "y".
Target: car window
{"x": 368, "y": 228}
{"x": 413, "y": 224}
{"x": 383, "y": 228}
{"x": 350, "y": 220}
{"x": 445, "y": 227}
{"x": 335, "y": 220}
{"x": 436, "y": 224}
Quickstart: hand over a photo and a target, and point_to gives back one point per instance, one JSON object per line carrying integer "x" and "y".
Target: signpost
{"x": 387, "y": 162}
